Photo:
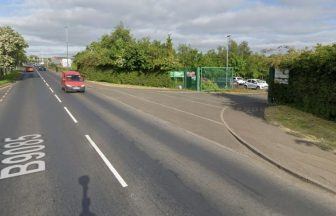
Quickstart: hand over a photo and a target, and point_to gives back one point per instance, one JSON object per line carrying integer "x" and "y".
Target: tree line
{"x": 119, "y": 51}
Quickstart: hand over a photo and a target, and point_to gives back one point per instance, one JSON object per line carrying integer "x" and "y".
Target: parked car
{"x": 72, "y": 81}
{"x": 255, "y": 84}
{"x": 239, "y": 80}
{"x": 29, "y": 69}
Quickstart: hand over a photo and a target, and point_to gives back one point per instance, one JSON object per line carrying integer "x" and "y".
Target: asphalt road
{"x": 117, "y": 151}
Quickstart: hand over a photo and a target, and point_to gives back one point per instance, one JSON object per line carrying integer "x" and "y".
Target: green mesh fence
{"x": 203, "y": 78}
{"x": 216, "y": 78}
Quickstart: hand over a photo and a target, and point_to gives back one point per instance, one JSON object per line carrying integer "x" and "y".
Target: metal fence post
{"x": 198, "y": 81}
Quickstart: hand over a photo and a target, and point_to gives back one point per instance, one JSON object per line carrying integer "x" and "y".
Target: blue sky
{"x": 202, "y": 24}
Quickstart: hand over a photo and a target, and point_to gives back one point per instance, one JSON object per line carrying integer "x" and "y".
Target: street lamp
{"x": 227, "y": 58}
{"x": 67, "y": 45}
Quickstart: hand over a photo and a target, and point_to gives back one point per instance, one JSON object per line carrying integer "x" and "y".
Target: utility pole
{"x": 227, "y": 58}
{"x": 67, "y": 45}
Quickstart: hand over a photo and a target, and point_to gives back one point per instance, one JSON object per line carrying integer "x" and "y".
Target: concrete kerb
{"x": 260, "y": 154}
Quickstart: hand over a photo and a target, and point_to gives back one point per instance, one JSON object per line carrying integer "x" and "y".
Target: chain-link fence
{"x": 203, "y": 78}
{"x": 216, "y": 78}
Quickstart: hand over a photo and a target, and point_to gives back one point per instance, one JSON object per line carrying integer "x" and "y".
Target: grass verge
{"x": 10, "y": 77}
{"x": 317, "y": 131}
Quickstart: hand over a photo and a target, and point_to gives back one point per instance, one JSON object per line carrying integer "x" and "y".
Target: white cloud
{"x": 202, "y": 24}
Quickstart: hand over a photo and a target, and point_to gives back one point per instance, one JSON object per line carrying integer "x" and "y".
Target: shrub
{"x": 311, "y": 86}
{"x": 208, "y": 85}
{"x": 131, "y": 78}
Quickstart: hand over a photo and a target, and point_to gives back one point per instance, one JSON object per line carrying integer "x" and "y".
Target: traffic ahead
{"x": 120, "y": 151}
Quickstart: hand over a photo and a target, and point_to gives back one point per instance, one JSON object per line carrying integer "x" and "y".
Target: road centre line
{"x": 107, "y": 162}
{"x": 171, "y": 124}
{"x": 69, "y": 113}
{"x": 59, "y": 100}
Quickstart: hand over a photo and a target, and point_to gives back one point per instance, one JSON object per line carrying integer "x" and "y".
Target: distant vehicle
{"x": 41, "y": 68}
{"x": 29, "y": 69}
{"x": 239, "y": 80}
{"x": 72, "y": 81}
{"x": 255, "y": 84}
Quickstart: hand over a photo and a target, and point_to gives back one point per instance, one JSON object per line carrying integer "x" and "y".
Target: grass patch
{"x": 316, "y": 130}
{"x": 10, "y": 77}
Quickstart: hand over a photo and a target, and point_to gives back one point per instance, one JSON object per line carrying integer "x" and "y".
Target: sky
{"x": 203, "y": 24}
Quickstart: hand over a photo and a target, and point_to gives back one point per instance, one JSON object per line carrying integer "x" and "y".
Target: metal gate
{"x": 206, "y": 78}
{"x": 216, "y": 78}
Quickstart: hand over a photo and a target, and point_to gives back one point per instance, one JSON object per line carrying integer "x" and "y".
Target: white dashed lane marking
{"x": 70, "y": 114}
{"x": 107, "y": 162}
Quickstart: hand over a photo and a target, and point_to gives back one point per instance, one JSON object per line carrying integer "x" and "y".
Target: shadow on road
{"x": 84, "y": 181}
{"x": 253, "y": 105}
{"x": 28, "y": 75}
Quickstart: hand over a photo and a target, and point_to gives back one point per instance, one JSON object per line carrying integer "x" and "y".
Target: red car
{"x": 29, "y": 69}
{"x": 72, "y": 81}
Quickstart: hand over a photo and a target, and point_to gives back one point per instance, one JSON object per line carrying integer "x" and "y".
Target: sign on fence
{"x": 281, "y": 76}
{"x": 176, "y": 74}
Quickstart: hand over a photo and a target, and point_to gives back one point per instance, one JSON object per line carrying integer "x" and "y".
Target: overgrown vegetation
{"x": 10, "y": 77}
{"x": 208, "y": 85}
{"x": 120, "y": 53}
{"x": 315, "y": 130}
{"x": 132, "y": 78}
{"x": 312, "y": 78}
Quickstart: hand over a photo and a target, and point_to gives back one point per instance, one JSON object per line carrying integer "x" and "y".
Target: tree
{"x": 244, "y": 49}
{"x": 188, "y": 56}
{"x": 33, "y": 58}
{"x": 12, "y": 49}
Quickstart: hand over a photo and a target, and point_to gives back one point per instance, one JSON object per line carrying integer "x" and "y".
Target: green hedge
{"x": 131, "y": 78}
{"x": 312, "y": 82}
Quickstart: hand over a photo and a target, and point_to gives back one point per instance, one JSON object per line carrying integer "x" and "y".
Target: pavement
{"x": 126, "y": 151}
{"x": 297, "y": 155}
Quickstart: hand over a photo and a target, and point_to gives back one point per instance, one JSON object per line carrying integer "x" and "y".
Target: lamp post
{"x": 67, "y": 45}
{"x": 227, "y": 58}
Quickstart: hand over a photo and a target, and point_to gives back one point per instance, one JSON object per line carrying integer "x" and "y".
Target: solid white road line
{"x": 59, "y": 100}
{"x": 170, "y": 107}
{"x": 69, "y": 113}
{"x": 107, "y": 162}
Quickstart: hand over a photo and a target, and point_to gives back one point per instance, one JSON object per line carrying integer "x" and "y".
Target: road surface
{"x": 119, "y": 151}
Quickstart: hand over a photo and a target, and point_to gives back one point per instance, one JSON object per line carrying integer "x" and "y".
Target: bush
{"x": 311, "y": 86}
{"x": 131, "y": 78}
{"x": 208, "y": 85}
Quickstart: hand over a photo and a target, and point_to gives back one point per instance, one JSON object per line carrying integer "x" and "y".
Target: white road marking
{"x": 6, "y": 93}
{"x": 59, "y": 100}
{"x": 47, "y": 84}
{"x": 51, "y": 90}
{"x": 21, "y": 150}
{"x": 107, "y": 162}
{"x": 69, "y": 113}
{"x": 172, "y": 108}
{"x": 186, "y": 99}
{"x": 171, "y": 124}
